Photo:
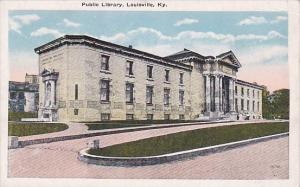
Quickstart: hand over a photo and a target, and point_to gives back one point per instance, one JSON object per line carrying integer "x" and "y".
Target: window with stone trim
{"x": 167, "y": 96}
{"x": 181, "y": 116}
{"x": 149, "y": 71}
{"x": 253, "y": 95}
{"x": 104, "y": 62}
{"x": 149, "y": 95}
{"x": 253, "y": 106}
{"x": 242, "y": 104}
{"x": 180, "y": 78}
{"x": 236, "y": 104}
{"x": 167, "y": 75}
{"x": 257, "y": 106}
{"x": 105, "y": 116}
{"x": 76, "y": 91}
{"x": 235, "y": 90}
{"x": 129, "y": 117}
{"x": 248, "y": 107}
{"x": 76, "y": 111}
{"x": 242, "y": 91}
{"x": 129, "y": 93}
{"x": 104, "y": 90}
{"x": 149, "y": 116}
{"x": 181, "y": 97}
{"x": 129, "y": 67}
{"x": 248, "y": 93}
{"x": 167, "y": 116}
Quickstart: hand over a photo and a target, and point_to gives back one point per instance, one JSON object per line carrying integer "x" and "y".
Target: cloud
{"x": 186, "y": 21}
{"x": 253, "y": 20}
{"x": 27, "y": 19}
{"x": 279, "y": 19}
{"x": 46, "y": 31}
{"x": 14, "y": 25}
{"x": 265, "y": 64}
{"x": 137, "y": 34}
{"x": 22, "y": 62}
{"x": 69, "y": 23}
{"x": 17, "y": 22}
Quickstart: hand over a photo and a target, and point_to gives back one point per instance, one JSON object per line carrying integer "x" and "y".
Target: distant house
{"x": 24, "y": 96}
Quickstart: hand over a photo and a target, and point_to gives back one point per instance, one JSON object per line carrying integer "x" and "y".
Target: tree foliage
{"x": 275, "y": 105}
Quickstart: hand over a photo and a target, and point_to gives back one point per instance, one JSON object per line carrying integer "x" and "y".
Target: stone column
{"x": 231, "y": 95}
{"x": 221, "y": 93}
{"x": 207, "y": 93}
{"x": 217, "y": 93}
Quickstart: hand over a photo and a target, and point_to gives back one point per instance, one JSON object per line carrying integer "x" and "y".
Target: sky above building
{"x": 258, "y": 39}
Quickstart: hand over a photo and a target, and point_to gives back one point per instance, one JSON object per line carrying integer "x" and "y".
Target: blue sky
{"x": 259, "y": 39}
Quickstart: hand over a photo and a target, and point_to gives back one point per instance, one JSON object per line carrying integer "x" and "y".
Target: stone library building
{"x": 82, "y": 78}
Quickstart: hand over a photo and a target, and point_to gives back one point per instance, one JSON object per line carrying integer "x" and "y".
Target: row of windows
{"x": 129, "y": 69}
{"x": 107, "y": 116}
{"x": 129, "y": 89}
{"x": 248, "y": 105}
{"x": 248, "y": 92}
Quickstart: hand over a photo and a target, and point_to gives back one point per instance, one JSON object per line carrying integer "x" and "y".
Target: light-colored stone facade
{"x": 85, "y": 79}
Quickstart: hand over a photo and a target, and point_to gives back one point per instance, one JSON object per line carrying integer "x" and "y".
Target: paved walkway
{"x": 266, "y": 160}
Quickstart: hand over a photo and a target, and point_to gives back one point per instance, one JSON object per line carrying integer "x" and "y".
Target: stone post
{"x": 207, "y": 93}
{"x": 217, "y": 93}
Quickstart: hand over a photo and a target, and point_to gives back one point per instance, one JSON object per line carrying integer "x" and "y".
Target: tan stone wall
{"x": 256, "y": 98}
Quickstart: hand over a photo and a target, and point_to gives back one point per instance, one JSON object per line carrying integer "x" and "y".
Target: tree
{"x": 266, "y": 104}
{"x": 281, "y": 104}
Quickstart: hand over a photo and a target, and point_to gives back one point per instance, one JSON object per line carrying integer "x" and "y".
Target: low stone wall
{"x": 160, "y": 159}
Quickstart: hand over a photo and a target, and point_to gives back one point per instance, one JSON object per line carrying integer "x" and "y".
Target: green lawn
{"x": 30, "y": 128}
{"x": 129, "y": 123}
{"x": 191, "y": 139}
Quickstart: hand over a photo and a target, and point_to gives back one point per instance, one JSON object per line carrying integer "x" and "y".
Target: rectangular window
{"x": 129, "y": 92}
{"x": 181, "y": 97}
{"x": 248, "y": 105}
{"x": 242, "y": 104}
{"x": 167, "y": 116}
{"x": 181, "y": 116}
{"x": 242, "y": 91}
{"x": 76, "y": 111}
{"x": 236, "y": 105}
{"x": 104, "y": 62}
{"x": 235, "y": 89}
{"x": 253, "y": 93}
{"x": 105, "y": 116}
{"x": 257, "y": 106}
{"x": 149, "y": 72}
{"x": 149, "y": 116}
{"x": 167, "y": 75}
{"x": 129, "y": 117}
{"x": 76, "y": 91}
{"x": 248, "y": 92}
{"x": 129, "y": 67}
{"x": 253, "y": 106}
{"x": 180, "y": 78}
{"x": 166, "y": 96}
{"x": 104, "y": 90}
{"x": 258, "y": 94}
{"x": 149, "y": 94}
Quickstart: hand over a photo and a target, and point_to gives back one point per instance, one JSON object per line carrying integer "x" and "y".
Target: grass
{"x": 191, "y": 139}
{"x": 99, "y": 125}
{"x": 17, "y": 116}
{"x": 29, "y": 128}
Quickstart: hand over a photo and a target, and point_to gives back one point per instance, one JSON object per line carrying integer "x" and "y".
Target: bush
{"x": 17, "y": 116}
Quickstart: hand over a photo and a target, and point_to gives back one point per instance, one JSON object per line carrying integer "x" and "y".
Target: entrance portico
{"x": 49, "y": 107}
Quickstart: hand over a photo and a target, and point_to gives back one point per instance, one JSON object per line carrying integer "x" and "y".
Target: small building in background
{"x": 24, "y": 96}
